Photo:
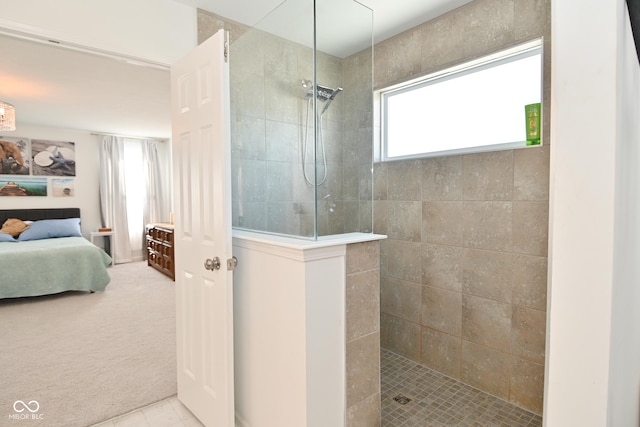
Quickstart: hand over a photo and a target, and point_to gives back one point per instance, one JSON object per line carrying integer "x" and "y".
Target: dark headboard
{"x": 37, "y": 214}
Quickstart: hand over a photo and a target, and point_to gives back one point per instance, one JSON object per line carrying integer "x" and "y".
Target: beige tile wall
{"x": 463, "y": 273}
{"x": 363, "y": 334}
{"x": 463, "y": 282}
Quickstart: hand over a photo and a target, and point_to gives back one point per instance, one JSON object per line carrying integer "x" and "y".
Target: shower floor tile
{"x": 416, "y": 396}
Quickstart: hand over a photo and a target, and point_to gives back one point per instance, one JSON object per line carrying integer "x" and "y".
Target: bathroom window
{"x": 472, "y": 107}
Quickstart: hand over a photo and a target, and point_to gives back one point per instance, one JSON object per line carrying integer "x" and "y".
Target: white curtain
{"x": 113, "y": 198}
{"x": 154, "y": 206}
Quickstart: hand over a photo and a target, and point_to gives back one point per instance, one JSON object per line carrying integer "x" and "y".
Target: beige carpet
{"x": 85, "y": 358}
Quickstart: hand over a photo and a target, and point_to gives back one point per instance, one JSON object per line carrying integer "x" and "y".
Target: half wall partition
{"x": 302, "y": 121}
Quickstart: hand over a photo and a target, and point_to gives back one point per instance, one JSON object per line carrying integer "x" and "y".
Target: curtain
{"x": 113, "y": 198}
{"x": 154, "y": 207}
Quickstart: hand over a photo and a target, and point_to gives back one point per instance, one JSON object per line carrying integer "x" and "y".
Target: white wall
{"x": 160, "y": 31}
{"x": 624, "y": 383}
{"x": 86, "y": 181}
{"x": 593, "y": 162}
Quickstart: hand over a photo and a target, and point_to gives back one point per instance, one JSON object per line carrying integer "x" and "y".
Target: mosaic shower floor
{"x": 436, "y": 400}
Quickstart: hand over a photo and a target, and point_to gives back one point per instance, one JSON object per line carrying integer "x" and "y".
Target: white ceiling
{"x": 56, "y": 87}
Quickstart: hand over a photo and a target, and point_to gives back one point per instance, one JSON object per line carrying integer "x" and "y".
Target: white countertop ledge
{"x": 301, "y": 249}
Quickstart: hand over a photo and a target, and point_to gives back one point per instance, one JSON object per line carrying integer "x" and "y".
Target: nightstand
{"x": 108, "y": 235}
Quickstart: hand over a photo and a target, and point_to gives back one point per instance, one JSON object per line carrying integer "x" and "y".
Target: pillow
{"x": 50, "y": 228}
{"x": 5, "y": 237}
{"x": 13, "y": 226}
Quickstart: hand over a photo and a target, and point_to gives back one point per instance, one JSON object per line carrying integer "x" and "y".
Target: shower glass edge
{"x": 302, "y": 120}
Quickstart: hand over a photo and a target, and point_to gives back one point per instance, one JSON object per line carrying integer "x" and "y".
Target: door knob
{"x": 212, "y": 264}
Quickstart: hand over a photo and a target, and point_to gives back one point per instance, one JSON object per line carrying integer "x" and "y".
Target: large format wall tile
{"x": 443, "y": 222}
{"x": 400, "y": 336}
{"x": 488, "y": 176}
{"x": 380, "y": 179}
{"x": 488, "y": 274}
{"x": 444, "y": 44}
{"x": 527, "y": 384}
{"x": 363, "y": 257}
{"x": 365, "y": 413}
{"x": 531, "y": 173}
{"x": 528, "y": 334}
{"x": 489, "y": 23}
{"x": 442, "y": 178}
{"x": 485, "y": 368}
{"x": 380, "y": 216}
{"x": 404, "y": 260}
{"x": 442, "y": 266}
{"x": 442, "y": 310}
{"x": 363, "y": 334}
{"x": 486, "y": 322}
{"x": 363, "y": 303}
{"x": 442, "y": 352}
{"x": 363, "y": 374}
{"x": 404, "y": 180}
{"x": 531, "y": 17}
{"x": 247, "y": 141}
{"x": 529, "y": 286}
{"x": 487, "y": 225}
{"x": 531, "y": 227}
{"x": 401, "y": 299}
{"x": 405, "y": 221}
{"x": 394, "y": 65}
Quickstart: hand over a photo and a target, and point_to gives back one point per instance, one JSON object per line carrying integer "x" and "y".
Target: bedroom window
{"x": 475, "y": 106}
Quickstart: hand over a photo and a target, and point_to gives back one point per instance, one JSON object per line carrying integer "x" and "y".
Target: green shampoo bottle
{"x": 533, "y": 115}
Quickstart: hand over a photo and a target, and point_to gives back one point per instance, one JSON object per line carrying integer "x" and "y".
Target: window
{"x": 476, "y": 106}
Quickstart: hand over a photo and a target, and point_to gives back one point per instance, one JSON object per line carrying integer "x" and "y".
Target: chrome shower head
{"x": 335, "y": 92}
{"x": 324, "y": 93}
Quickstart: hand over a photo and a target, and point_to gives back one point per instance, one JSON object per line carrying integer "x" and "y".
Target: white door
{"x": 202, "y": 191}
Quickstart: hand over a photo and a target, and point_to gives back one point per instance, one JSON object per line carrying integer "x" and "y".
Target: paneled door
{"x": 202, "y": 204}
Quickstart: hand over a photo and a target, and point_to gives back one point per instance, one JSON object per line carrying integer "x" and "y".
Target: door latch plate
{"x": 232, "y": 263}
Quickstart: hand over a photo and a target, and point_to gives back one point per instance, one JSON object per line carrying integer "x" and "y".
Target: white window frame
{"x": 530, "y": 48}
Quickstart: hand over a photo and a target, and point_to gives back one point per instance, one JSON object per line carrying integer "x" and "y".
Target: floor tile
{"x": 416, "y": 396}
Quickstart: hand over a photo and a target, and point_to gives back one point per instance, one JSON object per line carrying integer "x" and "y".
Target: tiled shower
{"x": 464, "y": 268}
{"x": 463, "y": 272}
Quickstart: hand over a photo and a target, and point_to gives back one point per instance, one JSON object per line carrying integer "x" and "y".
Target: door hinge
{"x": 226, "y": 46}
{"x": 232, "y": 263}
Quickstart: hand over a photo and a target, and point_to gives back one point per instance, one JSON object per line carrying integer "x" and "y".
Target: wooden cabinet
{"x": 160, "y": 248}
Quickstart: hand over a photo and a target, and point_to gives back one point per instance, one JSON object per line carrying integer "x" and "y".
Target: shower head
{"x": 324, "y": 93}
{"x": 328, "y": 102}
{"x": 336, "y": 91}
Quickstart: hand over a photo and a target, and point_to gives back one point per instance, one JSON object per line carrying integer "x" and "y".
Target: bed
{"x": 49, "y": 257}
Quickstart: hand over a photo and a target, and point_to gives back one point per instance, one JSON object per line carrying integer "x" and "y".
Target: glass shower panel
{"x": 344, "y": 138}
{"x": 292, "y": 138}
